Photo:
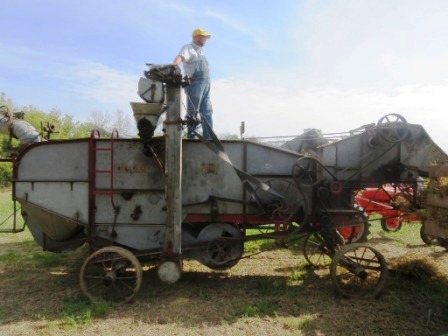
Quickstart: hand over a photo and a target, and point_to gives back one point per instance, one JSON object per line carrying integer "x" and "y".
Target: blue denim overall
{"x": 198, "y": 98}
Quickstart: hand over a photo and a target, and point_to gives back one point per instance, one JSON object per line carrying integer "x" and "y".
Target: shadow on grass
{"x": 211, "y": 298}
{"x": 35, "y": 290}
{"x": 36, "y": 285}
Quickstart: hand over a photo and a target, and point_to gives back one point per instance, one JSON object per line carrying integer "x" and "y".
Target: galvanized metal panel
{"x": 131, "y": 168}
{"x": 267, "y": 160}
{"x": 205, "y": 174}
{"x": 134, "y": 236}
{"x": 55, "y": 161}
{"x": 137, "y": 208}
{"x": 55, "y": 226}
{"x": 65, "y": 198}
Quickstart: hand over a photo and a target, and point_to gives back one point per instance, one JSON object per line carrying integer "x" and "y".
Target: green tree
{"x": 5, "y": 174}
{"x": 69, "y": 128}
{"x": 123, "y": 123}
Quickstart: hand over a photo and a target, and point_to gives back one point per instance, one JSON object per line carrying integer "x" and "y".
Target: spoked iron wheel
{"x": 358, "y": 270}
{"x": 319, "y": 247}
{"x": 111, "y": 274}
{"x": 315, "y": 250}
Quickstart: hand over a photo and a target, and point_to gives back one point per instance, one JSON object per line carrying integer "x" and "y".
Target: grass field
{"x": 271, "y": 293}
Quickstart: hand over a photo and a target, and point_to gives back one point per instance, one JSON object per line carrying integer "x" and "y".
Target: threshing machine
{"x": 162, "y": 199}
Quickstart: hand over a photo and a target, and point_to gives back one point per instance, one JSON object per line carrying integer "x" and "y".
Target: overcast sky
{"x": 281, "y": 66}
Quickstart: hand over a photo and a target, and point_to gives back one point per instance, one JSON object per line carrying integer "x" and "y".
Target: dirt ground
{"x": 271, "y": 293}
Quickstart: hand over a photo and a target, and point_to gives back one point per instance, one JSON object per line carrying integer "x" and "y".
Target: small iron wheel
{"x": 315, "y": 251}
{"x": 224, "y": 246}
{"x": 111, "y": 274}
{"x": 221, "y": 252}
{"x": 358, "y": 270}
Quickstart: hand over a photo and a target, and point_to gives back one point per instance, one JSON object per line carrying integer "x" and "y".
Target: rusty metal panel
{"x": 438, "y": 170}
{"x": 419, "y": 151}
{"x": 358, "y": 158}
{"x": 437, "y": 200}
{"x": 436, "y": 229}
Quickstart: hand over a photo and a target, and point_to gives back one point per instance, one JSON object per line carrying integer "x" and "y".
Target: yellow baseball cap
{"x": 201, "y": 32}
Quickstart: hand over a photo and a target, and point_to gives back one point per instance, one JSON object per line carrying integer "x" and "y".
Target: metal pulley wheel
{"x": 336, "y": 187}
{"x": 111, "y": 274}
{"x": 304, "y": 171}
{"x": 358, "y": 270}
{"x": 224, "y": 246}
{"x": 393, "y": 128}
{"x": 286, "y": 203}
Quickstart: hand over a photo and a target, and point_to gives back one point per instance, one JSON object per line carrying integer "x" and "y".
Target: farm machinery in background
{"x": 394, "y": 202}
{"x": 162, "y": 199}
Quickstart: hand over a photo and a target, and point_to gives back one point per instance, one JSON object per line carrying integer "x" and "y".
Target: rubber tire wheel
{"x": 360, "y": 238}
{"x": 388, "y": 229}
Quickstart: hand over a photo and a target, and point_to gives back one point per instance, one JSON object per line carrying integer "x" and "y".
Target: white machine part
{"x": 24, "y": 132}
{"x": 19, "y": 129}
{"x": 150, "y": 91}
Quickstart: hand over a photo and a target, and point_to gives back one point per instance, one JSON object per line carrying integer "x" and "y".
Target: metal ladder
{"x": 93, "y": 171}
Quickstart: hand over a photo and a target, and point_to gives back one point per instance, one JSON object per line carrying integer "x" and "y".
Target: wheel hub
{"x": 109, "y": 278}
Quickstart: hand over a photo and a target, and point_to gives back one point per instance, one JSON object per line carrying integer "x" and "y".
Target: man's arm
{"x": 179, "y": 59}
